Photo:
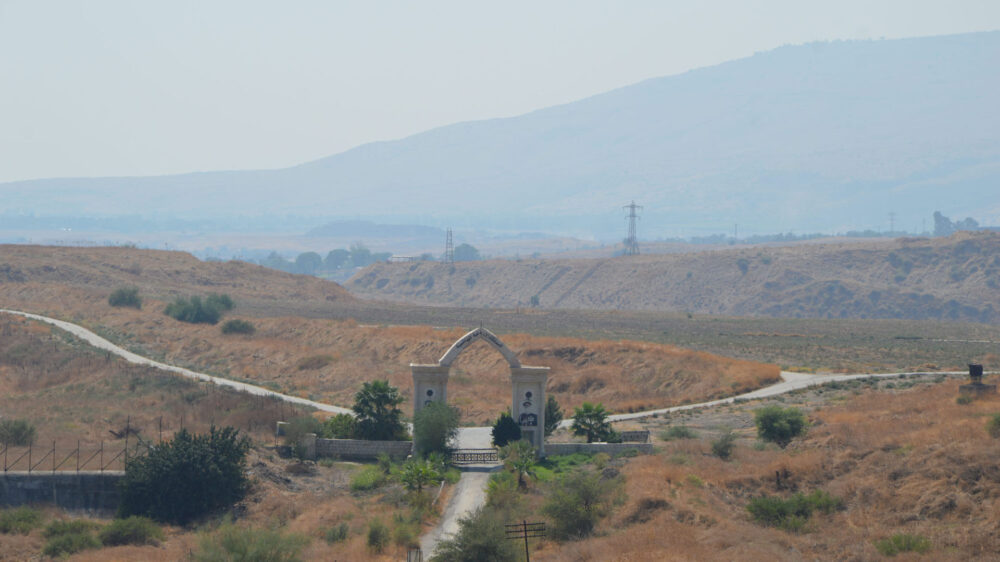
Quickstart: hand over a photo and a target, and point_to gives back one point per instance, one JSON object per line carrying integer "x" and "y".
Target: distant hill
{"x": 954, "y": 278}
{"x": 823, "y": 136}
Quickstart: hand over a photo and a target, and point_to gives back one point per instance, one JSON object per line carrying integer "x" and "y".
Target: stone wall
{"x": 95, "y": 492}
{"x": 359, "y": 449}
{"x": 593, "y": 448}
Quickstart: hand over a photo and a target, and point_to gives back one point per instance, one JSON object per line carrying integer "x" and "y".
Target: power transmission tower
{"x": 631, "y": 243}
{"x": 449, "y": 248}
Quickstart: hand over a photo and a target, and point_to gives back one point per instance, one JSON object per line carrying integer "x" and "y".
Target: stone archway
{"x": 430, "y": 384}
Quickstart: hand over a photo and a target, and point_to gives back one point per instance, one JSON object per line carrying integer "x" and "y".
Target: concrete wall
{"x": 593, "y": 448}
{"x": 359, "y": 449}
{"x": 78, "y": 491}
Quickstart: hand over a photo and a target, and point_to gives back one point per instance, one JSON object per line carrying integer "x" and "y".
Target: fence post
{"x": 29, "y": 458}
{"x": 102, "y": 457}
{"x": 78, "y": 456}
{"x": 53, "y": 456}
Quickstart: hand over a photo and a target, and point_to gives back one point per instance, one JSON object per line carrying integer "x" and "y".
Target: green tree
{"x": 275, "y": 261}
{"x": 553, "y": 415}
{"x": 186, "y": 477}
{"x": 578, "y": 501}
{"x": 308, "y": 263}
{"x": 434, "y": 426}
{"x": 505, "y": 430}
{"x": 466, "y": 252}
{"x": 591, "y": 420}
{"x": 779, "y": 425}
{"x": 336, "y": 259}
{"x": 340, "y": 426}
{"x": 519, "y": 457}
{"x": 360, "y": 255}
{"x": 378, "y": 415}
{"x": 480, "y": 538}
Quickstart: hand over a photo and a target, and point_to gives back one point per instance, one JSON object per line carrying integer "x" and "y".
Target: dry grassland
{"x": 903, "y": 461}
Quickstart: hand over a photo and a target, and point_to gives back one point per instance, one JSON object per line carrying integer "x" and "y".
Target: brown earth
{"x": 954, "y": 278}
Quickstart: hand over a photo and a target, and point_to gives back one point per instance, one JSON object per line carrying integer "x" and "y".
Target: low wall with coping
{"x": 359, "y": 449}
{"x": 593, "y": 448}
{"x": 95, "y": 492}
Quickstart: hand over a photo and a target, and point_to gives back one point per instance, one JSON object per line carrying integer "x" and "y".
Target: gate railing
{"x": 475, "y": 456}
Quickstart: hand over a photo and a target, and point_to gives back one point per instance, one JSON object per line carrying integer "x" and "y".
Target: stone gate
{"x": 430, "y": 384}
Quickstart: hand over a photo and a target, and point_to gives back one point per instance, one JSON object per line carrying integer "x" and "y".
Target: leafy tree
{"x": 308, "y": 263}
{"x": 340, "y": 426}
{"x": 779, "y": 425}
{"x": 519, "y": 457}
{"x": 591, "y": 420}
{"x": 275, "y": 261}
{"x": 434, "y": 426}
{"x": 360, "y": 255}
{"x": 481, "y": 537}
{"x": 466, "y": 252}
{"x": 379, "y": 418}
{"x": 578, "y": 501}
{"x": 126, "y": 296}
{"x": 336, "y": 259}
{"x": 553, "y": 415}
{"x": 186, "y": 477}
{"x": 505, "y": 430}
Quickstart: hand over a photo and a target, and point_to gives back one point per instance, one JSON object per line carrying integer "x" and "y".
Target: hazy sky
{"x": 90, "y": 88}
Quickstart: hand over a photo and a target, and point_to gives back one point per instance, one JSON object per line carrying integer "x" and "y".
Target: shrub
{"x": 434, "y": 426}
{"x": 417, "y": 473}
{"x": 902, "y": 543}
{"x": 963, "y": 399}
{"x": 578, "y": 501}
{"x": 591, "y": 420}
{"x": 505, "y": 430}
{"x": 993, "y": 426}
{"x": 297, "y": 428}
{"x": 192, "y": 311}
{"x": 779, "y": 425}
{"x": 64, "y": 545}
{"x": 378, "y": 535}
{"x": 18, "y": 433}
{"x": 791, "y": 514}
{"x": 220, "y": 302}
{"x": 186, "y": 477}
{"x": 230, "y": 543}
{"x": 126, "y": 296}
{"x": 336, "y": 534}
{"x": 71, "y": 527}
{"x": 368, "y": 478}
{"x": 237, "y": 326}
{"x": 678, "y": 432}
{"x": 131, "y": 530}
{"x": 314, "y": 362}
{"x": 480, "y": 536}
{"x": 723, "y": 446}
{"x": 19, "y": 520}
{"x": 340, "y": 426}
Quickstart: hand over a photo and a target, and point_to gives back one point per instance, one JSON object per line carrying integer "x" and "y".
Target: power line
{"x": 631, "y": 243}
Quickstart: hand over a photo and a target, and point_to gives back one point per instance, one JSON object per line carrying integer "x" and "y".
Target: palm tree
{"x": 519, "y": 458}
{"x": 592, "y": 420}
{"x": 378, "y": 419}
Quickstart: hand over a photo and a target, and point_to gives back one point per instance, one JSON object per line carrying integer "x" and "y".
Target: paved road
{"x": 101, "y": 343}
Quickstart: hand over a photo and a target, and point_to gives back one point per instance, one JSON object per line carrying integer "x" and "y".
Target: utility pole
{"x": 892, "y": 222}
{"x": 449, "y": 248}
{"x": 631, "y": 243}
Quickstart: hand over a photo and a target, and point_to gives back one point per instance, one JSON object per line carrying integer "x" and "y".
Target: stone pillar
{"x": 528, "y": 403}
{"x": 430, "y": 384}
{"x": 309, "y": 444}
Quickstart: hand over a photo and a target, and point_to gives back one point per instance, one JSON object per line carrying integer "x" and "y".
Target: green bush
{"x": 578, "y": 501}
{"x": 902, "y": 543}
{"x": 993, "y": 426}
{"x": 131, "y": 530}
{"x": 340, "y": 426}
{"x": 17, "y": 433}
{"x": 779, "y": 425}
{"x": 434, "y": 427}
{"x": 963, "y": 399}
{"x": 186, "y": 477}
{"x": 298, "y": 427}
{"x": 64, "y": 545}
{"x": 678, "y": 432}
{"x": 480, "y": 536}
{"x": 231, "y": 543}
{"x": 505, "y": 430}
{"x": 126, "y": 296}
{"x": 220, "y": 302}
{"x": 791, "y": 514}
{"x": 723, "y": 446}
{"x": 196, "y": 311}
{"x": 378, "y": 535}
{"x": 70, "y": 527}
{"x": 19, "y": 520}
{"x": 237, "y": 326}
{"x": 368, "y": 478}
{"x": 336, "y": 534}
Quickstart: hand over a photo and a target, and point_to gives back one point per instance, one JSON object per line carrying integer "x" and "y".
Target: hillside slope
{"x": 956, "y": 278}
{"x": 824, "y": 136}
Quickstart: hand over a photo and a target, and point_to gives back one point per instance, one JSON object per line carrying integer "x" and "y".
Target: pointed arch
{"x": 489, "y": 337}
